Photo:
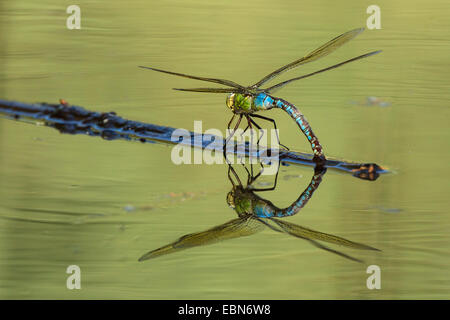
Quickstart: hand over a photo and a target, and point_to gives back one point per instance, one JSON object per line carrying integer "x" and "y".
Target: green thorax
{"x": 243, "y": 103}
{"x": 245, "y": 202}
{"x": 248, "y": 103}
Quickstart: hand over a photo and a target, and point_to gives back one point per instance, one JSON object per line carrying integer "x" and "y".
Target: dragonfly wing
{"x": 219, "y": 81}
{"x": 320, "y": 52}
{"x": 211, "y": 90}
{"x": 282, "y": 84}
{"x": 232, "y": 229}
{"x": 321, "y": 246}
{"x": 305, "y": 233}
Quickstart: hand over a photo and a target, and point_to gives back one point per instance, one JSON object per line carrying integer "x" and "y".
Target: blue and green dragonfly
{"x": 246, "y": 101}
{"x": 255, "y": 214}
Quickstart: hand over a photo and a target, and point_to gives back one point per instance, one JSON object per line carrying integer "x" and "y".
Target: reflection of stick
{"x": 76, "y": 120}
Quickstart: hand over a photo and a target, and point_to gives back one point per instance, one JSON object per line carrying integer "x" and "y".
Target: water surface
{"x": 102, "y": 205}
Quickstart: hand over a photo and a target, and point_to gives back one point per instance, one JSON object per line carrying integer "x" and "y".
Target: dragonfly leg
{"x": 250, "y": 120}
{"x": 249, "y": 175}
{"x": 266, "y": 189}
{"x": 231, "y": 135}
{"x": 231, "y": 120}
{"x": 249, "y": 125}
{"x": 225, "y": 144}
{"x": 274, "y": 125}
{"x": 231, "y": 170}
{"x": 235, "y": 128}
{"x": 229, "y": 175}
{"x": 246, "y": 128}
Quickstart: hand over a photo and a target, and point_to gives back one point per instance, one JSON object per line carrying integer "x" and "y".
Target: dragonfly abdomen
{"x": 302, "y": 123}
{"x": 268, "y": 211}
{"x": 265, "y": 211}
{"x": 304, "y": 197}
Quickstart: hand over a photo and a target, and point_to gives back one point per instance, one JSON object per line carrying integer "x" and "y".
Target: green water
{"x": 63, "y": 199}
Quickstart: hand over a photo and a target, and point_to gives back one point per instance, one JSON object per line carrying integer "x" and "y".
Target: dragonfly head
{"x": 238, "y": 199}
{"x": 238, "y": 102}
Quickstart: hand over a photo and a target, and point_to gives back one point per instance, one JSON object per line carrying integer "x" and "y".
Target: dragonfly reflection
{"x": 256, "y": 214}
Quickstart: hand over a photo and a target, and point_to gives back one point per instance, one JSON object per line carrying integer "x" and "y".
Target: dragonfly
{"x": 255, "y": 214}
{"x": 247, "y": 101}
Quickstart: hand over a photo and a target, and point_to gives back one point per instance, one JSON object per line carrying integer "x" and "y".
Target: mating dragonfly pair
{"x": 246, "y": 101}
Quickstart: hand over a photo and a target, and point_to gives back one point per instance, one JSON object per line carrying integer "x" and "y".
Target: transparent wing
{"x": 282, "y": 84}
{"x": 212, "y": 90}
{"x": 321, "y": 246}
{"x": 232, "y": 229}
{"x": 305, "y": 233}
{"x": 320, "y": 52}
{"x": 312, "y": 236}
{"x": 219, "y": 81}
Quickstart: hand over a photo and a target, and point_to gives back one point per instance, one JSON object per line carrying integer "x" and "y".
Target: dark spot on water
{"x": 390, "y": 210}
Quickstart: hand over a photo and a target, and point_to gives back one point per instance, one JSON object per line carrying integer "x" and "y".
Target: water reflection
{"x": 256, "y": 213}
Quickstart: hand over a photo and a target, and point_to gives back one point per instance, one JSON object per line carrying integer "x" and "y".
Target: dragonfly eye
{"x": 230, "y": 101}
{"x": 230, "y": 199}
